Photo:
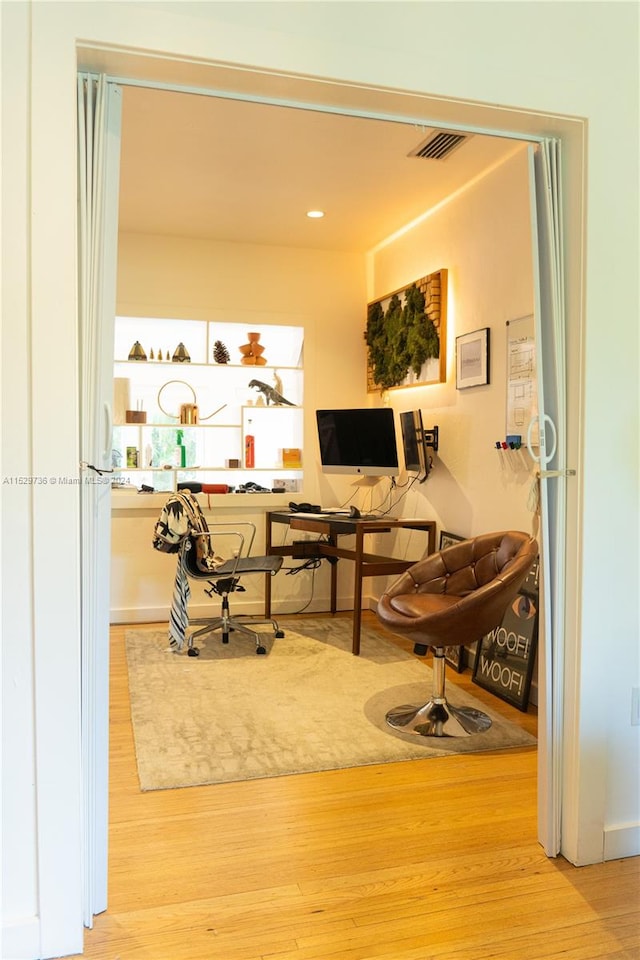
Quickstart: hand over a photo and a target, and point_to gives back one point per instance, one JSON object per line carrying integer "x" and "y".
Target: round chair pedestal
{"x": 437, "y": 718}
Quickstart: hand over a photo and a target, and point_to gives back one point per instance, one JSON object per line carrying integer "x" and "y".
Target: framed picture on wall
{"x": 456, "y": 657}
{"x": 472, "y": 359}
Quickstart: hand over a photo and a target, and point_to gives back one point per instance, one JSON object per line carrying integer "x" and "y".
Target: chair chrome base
{"x": 227, "y": 625}
{"x": 438, "y": 718}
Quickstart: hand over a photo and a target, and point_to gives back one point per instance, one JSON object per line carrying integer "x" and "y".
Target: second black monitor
{"x": 416, "y": 457}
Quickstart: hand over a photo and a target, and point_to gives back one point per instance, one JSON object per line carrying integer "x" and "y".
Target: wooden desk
{"x": 366, "y": 564}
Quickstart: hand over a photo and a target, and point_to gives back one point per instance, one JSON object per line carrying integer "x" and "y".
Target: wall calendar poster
{"x": 522, "y": 389}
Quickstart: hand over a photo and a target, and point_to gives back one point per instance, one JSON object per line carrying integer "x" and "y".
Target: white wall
{"x": 488, "y": 53}
{"x": 20, "y": 858}
{"x": 483, "y": 239}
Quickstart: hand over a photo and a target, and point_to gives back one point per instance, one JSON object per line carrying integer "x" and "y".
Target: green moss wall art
{"x": 406, "y": 335}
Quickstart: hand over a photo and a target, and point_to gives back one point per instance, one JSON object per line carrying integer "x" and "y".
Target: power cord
{"x": 311, "y": 564}
{"x": 404, "y": 486}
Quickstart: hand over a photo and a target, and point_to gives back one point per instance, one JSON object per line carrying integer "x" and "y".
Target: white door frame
{"x": 374, "y": 104}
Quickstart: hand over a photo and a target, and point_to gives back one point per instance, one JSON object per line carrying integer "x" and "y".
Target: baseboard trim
{"x": 622, "y": 840}
{"x": 139, "y": 615}
{"x": 253, "y": 608}
{"x": 21, "y": 939}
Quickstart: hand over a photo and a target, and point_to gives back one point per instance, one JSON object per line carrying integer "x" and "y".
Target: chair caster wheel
{"x": 225, "y": 638}
{"x": 279, "y": 634}
{"x": 193, "y": 652}
{"x": 260, "y": 650}
{"x": 420, "y": 649}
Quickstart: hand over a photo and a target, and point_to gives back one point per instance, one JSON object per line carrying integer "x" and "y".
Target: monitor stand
{"x": 367, "y": 481}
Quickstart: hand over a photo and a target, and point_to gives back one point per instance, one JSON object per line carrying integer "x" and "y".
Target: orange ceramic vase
{"x": 252, "y": 351}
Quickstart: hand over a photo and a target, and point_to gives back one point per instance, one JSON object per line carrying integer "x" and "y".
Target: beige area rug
{"x": 307, "y": 705}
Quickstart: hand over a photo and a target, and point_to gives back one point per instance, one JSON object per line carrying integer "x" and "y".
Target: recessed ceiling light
{"x": 315, "y": 214}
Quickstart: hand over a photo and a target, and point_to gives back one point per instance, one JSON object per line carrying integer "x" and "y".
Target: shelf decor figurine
{"x": 252, "y": 351}
{"x": 137, "y": 352}
{"x": 269, "y": 393}
{"x": 136, "y": 416}
{"x": 220, "y": 352}
{"x": 181, "y": 354}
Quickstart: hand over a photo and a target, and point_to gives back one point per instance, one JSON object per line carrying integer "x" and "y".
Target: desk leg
{"x": 267, "y": 577}
{"x": 357, "y": 592}
{"x": 334, "y": 577}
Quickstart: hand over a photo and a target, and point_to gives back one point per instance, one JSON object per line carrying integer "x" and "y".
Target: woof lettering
{"x": 499, "y": 673}
{"x": 511, "y": 641}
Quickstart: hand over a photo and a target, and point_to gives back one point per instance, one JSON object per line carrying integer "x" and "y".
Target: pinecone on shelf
{"x": 220, "y": 352}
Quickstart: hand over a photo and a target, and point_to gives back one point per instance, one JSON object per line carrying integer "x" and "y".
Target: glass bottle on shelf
{"x": 249, "y": 449}
{"x": 181, "y": 450}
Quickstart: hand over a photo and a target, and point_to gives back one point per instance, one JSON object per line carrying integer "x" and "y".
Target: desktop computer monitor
{"x": 359, "y": 441}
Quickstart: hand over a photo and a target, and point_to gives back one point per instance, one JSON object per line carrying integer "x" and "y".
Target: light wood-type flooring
{"x": 422, "y": 860}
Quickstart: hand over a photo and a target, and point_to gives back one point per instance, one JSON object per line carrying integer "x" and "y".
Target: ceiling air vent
{"x": 438, "y": 145}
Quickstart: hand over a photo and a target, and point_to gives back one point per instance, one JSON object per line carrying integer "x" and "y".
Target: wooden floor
{"x": 422, "y": 860}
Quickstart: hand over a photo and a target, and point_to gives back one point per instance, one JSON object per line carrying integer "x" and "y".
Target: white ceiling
{"x": 206, "y": 167}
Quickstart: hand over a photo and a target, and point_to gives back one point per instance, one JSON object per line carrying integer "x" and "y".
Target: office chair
{"x": 183, "y": 529}
{"x": 453, "y": 598}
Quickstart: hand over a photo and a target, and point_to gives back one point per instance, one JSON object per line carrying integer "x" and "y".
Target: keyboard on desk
{"x": 320, "y": 515}
{"x": 332, "y": 515}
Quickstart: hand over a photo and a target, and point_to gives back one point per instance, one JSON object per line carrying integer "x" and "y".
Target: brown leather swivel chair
{"x": 452, "y": 598}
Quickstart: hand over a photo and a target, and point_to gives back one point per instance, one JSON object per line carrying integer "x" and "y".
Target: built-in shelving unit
{"x": 162, "y": 452}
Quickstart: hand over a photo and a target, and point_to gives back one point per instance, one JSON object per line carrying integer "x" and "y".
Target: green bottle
{"x": 181, "y": 450}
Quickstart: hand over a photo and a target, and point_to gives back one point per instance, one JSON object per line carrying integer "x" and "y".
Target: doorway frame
{"x": 316, "y": 94}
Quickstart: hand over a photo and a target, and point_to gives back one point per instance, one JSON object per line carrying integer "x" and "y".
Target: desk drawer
{"x": 311, "y": 526}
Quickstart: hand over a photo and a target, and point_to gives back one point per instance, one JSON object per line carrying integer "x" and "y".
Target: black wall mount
{"x": 430, "y": 438}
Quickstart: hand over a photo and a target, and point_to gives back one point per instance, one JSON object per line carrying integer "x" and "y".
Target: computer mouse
{"x": 354, "y": 513}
